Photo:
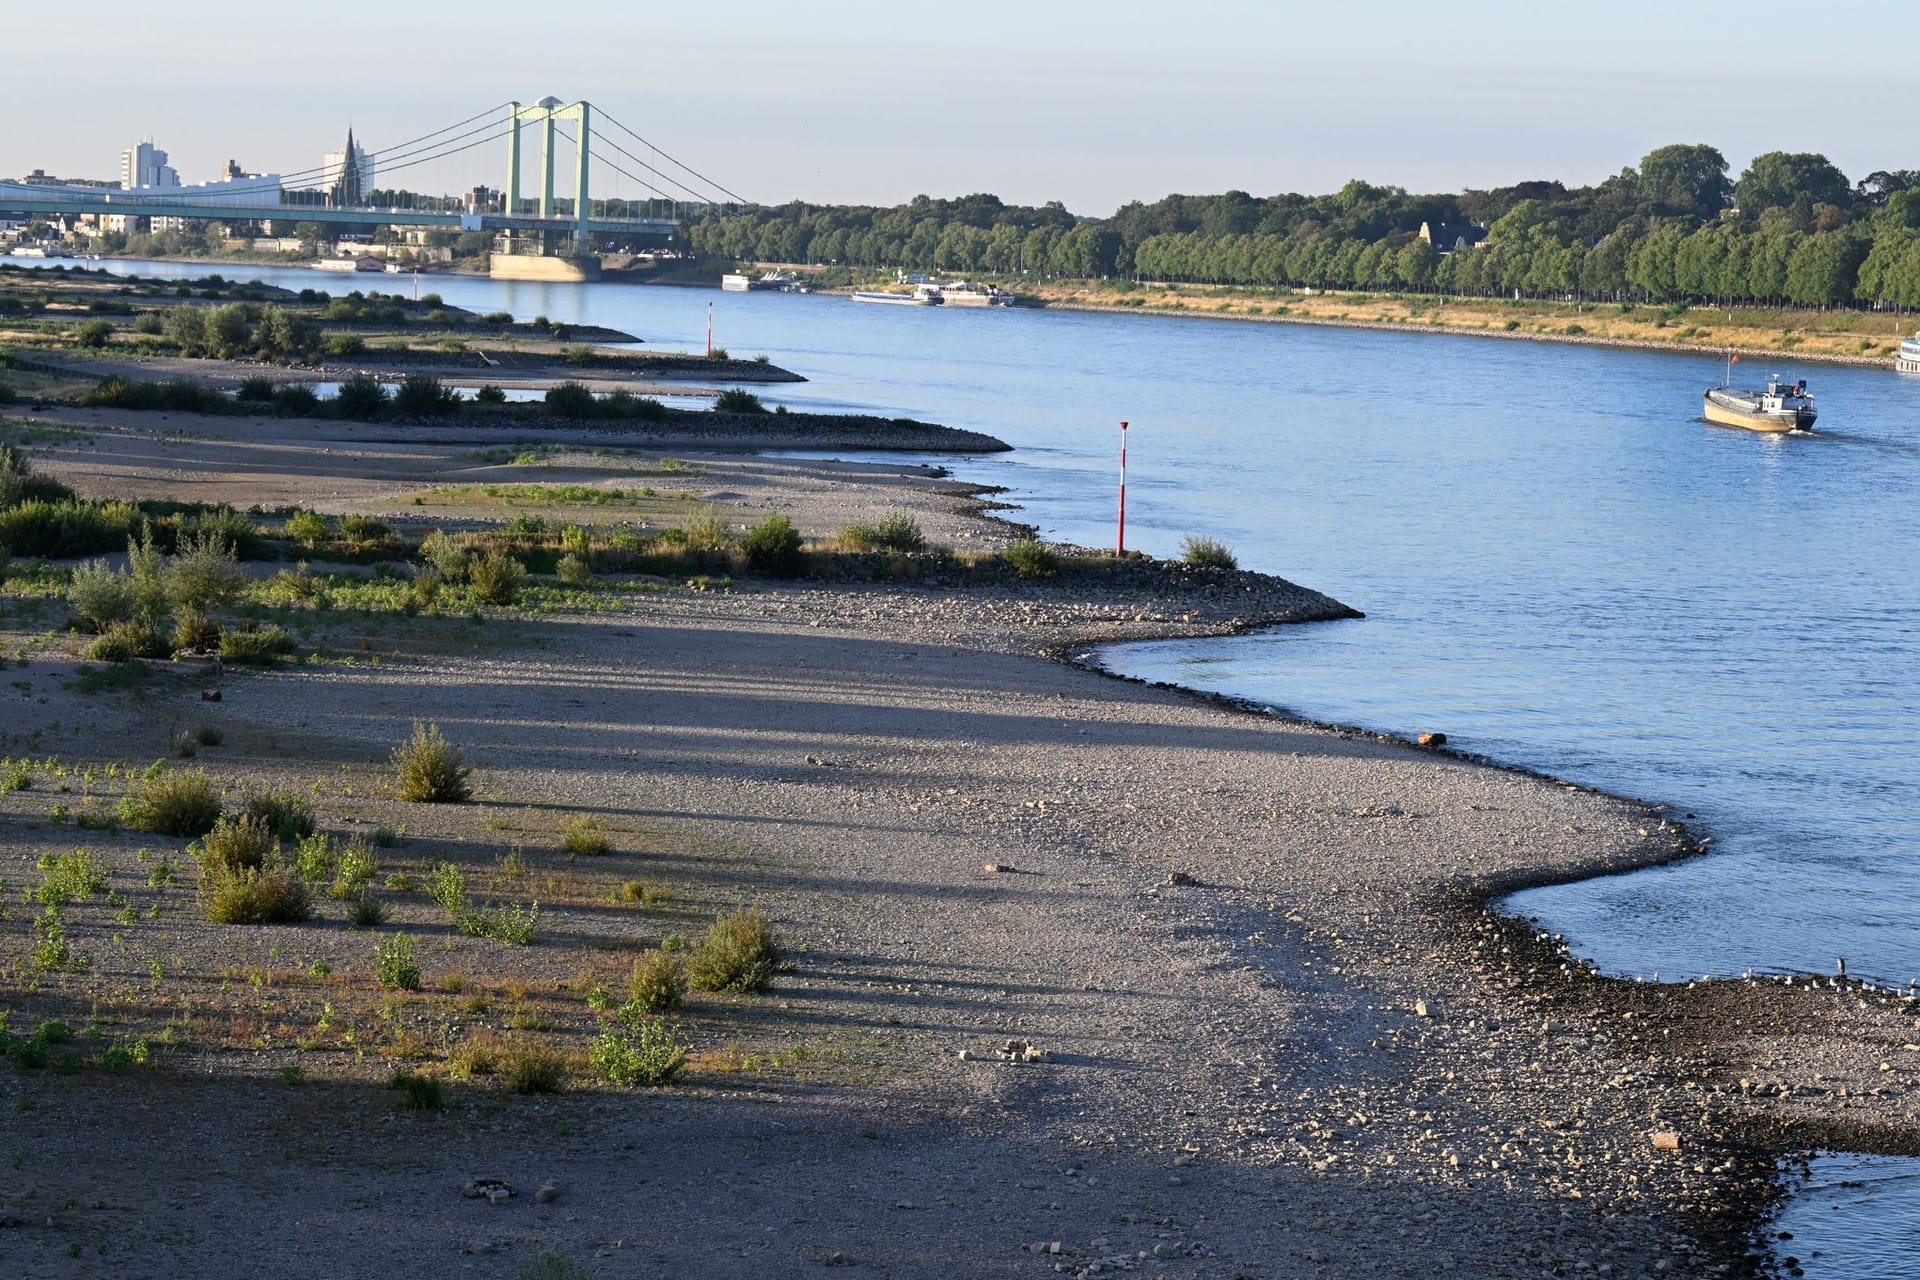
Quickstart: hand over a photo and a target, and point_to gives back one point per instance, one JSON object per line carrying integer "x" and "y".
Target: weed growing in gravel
{"x": 532, "y": 1066}
{"x": 235, "y": 844}
{"x": 431, "y": 770}
{"x": 511, "y": 923}
{"x": 549, "y": 1266}
{"x": 738, "y": 954}
{"x": 183, "y": 803}
{"x": 394, "y": 964}
{"x": 479, "y": 1054}
{"x": 365, "y": 910}
{"x": 266, "y": 895}
{"x": 649, "y": 1054}
{"x": 354, "y": 869}
{"x": 773, "y": 547}
{"x": 658, "y": 984}
{"x": 1207, "y": 553}
{"x": 583, "y": 838}
{"x": 497, "y": 578}
{"x": 646, "y": 892}
{"x": 417, "y": 1092}
{"x": 447, "y": 888}
{"x": 77, "y": 874}
{"x": 260, "y": 648}
{"x": 896, "y": 531}
{"x": 16, "y": 775}
{"x": 287, "y": 813}
{"x": 208, "y": 735}
{"x": 1030, "y": 558}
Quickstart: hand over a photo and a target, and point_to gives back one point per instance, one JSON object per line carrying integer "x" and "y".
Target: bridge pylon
{"x": 544, "y": 242}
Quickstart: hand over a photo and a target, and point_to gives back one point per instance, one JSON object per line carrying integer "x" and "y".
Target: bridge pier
{"x": 519, "y": 253}
{"x": 551, "y": 268}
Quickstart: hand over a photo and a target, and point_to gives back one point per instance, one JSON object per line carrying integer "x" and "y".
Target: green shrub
{"x": 1030, "y": 558}
{"x": 345, "y": 344}
{"x": 530, "y": 1066}
{"x": 76, "y": 875}
{"x": 505, "y": 922}
{"x": 100, "y": 594}
{"x": 1207, "y": 553}
{"x": 270, "y": 895}
{"x": 394, "y": 964}
{"x": 737, "y": 401}
{"x": 195, "y": 633}
{"x": 447, "y": 888}
{"x": 365, "y": 910}
{"x": 183, "y": 803}
{"x": 574, "y": 570}
{"x": 204, "y": 573}
{"x": 94, "y": 334}
{"x": 423, "y": 395}
{"x": 490, "y": 394}
{"x": 268, "y": 644}
{"x": 658, "y": 984}
{"x": 417, "y": 1092}
{"x": 497, "y": 578}
{"x": 650, "y": 1054}
{"x": 583, "y": 838}
{"x": 364, "y": 528}
{"x": 287, "y": 814}
{"x": 773, "y": 547}
{"x": 430, "y": 769}
{"x": 296, "y": 400}
{"x": 571, "y": 400}
{"x": 361, "y": 397}
{"x": 353, "y": 868}
{"x": 897, "y": 531}
{"x": 738, "y": 954}
{"x": 236, "y": 843}
{"x": 307, "y": 528}
{"x": 60, "y": 528}
{"x": 256, "y": 390}
{"x": 447, "y": 553}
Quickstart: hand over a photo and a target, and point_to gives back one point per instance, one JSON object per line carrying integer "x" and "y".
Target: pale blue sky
{"x": 1090, "y": 103}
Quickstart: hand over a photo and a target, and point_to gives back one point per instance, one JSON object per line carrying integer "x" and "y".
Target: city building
{"x": 1450, "y": 239}
{"x": 347, "y": 174}
{"x": 145, "y": 165}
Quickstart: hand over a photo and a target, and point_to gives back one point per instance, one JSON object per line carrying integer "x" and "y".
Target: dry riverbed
{"x": 1278, "y": 1036}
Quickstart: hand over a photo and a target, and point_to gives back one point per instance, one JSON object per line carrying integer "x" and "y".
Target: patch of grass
{"x": 236, "y": 843}
{"x": 208, "y": 735}
{"x": 583, "y": 838}
{"x": 395, "y": 966}
{"x": 125, "y": 641}
{"x": 532, "y": 1066}
{"x": 1207, "y": 553}
{"x": 897, "y": 531}
{"x": 646, "y": 892}
{"x": 511, "y": 923}
{"x": 1031, "y": 558}
{"x": 650, "y": 1054}
{"x": 773, "y": 547}
{"x": 431, "y": 770}
{"x": 183, "y": 803}
{"x": 365, "y": 910}
{"x": 260, "y": 647}
{"x": 739, "y": 953}
{"x": 417, "y": 1092}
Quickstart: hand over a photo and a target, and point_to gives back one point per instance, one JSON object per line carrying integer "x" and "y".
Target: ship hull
{"x": 896, "y": 299}
{"x": 1786, "y": 420}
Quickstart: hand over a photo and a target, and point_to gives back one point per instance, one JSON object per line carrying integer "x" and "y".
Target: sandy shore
{"x": 1283, "y": 1037}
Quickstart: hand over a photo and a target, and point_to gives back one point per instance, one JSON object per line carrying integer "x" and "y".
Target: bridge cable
{"x": 734, "y": 196}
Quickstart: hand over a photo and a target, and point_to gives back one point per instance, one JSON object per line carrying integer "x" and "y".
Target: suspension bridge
{"x": 547, "y": 234}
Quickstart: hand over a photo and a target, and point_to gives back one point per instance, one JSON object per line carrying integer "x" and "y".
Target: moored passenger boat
{"x": 1908, "y": 359}
{"x": 1783, "y": 406}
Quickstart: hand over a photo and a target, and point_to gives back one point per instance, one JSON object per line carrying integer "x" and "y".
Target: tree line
{"x": 1790, "y": 229}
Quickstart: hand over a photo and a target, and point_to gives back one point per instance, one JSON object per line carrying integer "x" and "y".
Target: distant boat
{"x": 925, "y": 295}
{"x": 1783, "y": 406}
{"x": 962, "y": 294}
{"x": 736, "y": 283}
{"x": 1908, "y": 361}
{"x": 368, "y": 263}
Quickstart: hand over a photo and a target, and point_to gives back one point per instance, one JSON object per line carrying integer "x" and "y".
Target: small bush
{"x": 583, "y": 838}
{"x": 650, "y": 1054}
{"x": 773, "y": 547}
{"x": 738, "y": 954}
{"x": 209, "y": 735}
{"x": 125, "y": 641}
{"x": 503, "y": 922}
{"x": 394, "y": 964}
{"x": 295, "y": 400}
{"x": 447, "y": 553}
{"x": 61, "y": 527}
{"x": 423, "y": 395}
{"x": 354, "y": 867}
{"x": 574, "y": 570}
{"x": 195, "y": 633}
{"x": 571, "y": 400}
{"x": 361, "y": 397}
{"x": 417, "y": 1092}
{"x": 286, "y": 813}
{"x": 898, "y": 531}
{"x": 1207, "y": 553}
{"x": 530, "y": 1066}
{"x": 256, "y": 390}
{"x": 1030, "y": 558}
{"x": 73, "y": 876}
{"x": 205, "y": 572}
{"x": 497, "y": 578}
{"x": 431, "y": 770}
{"x": 737, "y": 401}
{"x": 236, "y": 843}
{"x": 272, "y": 895}
{"x": 345, "y": 344}
{"x": 184, "y": 803}
{"x": 490, "y": 394}
{"x": 657, "y": 985}
{"x": 268, "y": 644}
{"x": 101, "y": 595}
{"x": 94, "y": 334}
{"x": 447, "y": 888}
{"x": 365, "y": 910}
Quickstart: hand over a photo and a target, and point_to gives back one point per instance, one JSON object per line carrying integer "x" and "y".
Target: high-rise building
{"x": 347, "y": 174}
{"x": 145, "y": 165}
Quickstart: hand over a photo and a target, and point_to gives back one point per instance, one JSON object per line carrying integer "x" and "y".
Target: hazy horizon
{"x": 865, "y": 103}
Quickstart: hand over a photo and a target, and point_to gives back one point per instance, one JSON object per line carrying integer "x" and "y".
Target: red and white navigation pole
{"x": 1120, "y": 544}
{"x": 709, "y": 331}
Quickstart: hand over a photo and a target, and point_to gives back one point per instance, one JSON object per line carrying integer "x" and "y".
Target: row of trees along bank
{"x": 1792, "y": 229}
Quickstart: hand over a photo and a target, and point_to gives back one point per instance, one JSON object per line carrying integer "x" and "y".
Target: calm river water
{"x": 1561, "y": 565}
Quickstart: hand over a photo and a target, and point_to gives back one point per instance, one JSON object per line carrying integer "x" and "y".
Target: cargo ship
{"x": 1783, "y": 406}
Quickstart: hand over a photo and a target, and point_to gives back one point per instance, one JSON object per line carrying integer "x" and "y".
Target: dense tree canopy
{"x": 1793, "y": 230}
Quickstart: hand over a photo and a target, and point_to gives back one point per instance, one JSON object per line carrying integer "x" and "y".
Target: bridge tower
{"x": 525, "y": 249}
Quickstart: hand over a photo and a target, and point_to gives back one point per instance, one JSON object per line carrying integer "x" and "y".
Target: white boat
{"x": 1783, "y": 406}
{"x": 925, "y": 295}
{"x": 1908, "y": 360}
{"x": 32, "y": 251}
{"x": 368, "y": 263}
{"x": 962, "y": 294}
{"x": 736, "y": 283}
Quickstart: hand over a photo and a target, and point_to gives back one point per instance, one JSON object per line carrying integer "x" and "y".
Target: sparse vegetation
{"x": 583, "y": 838}
{"x": 430, "y": 769}
{"x": 532, "y": 1066}
{"x": 649, "y": 1054}
{"x": 1207, "y": 553}
{"x": 1031, "y": 558}
{"x": 172, "y": 803}
{"x": 395, "y": 966}
{"x": 897, "y": 531}
{"x": 657, "y": 985}
{"x": 739, "y": 953}
{"x": 773, "y": 547}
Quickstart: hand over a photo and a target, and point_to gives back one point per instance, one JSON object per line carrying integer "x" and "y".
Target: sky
{"x": 1092, "y": 104}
